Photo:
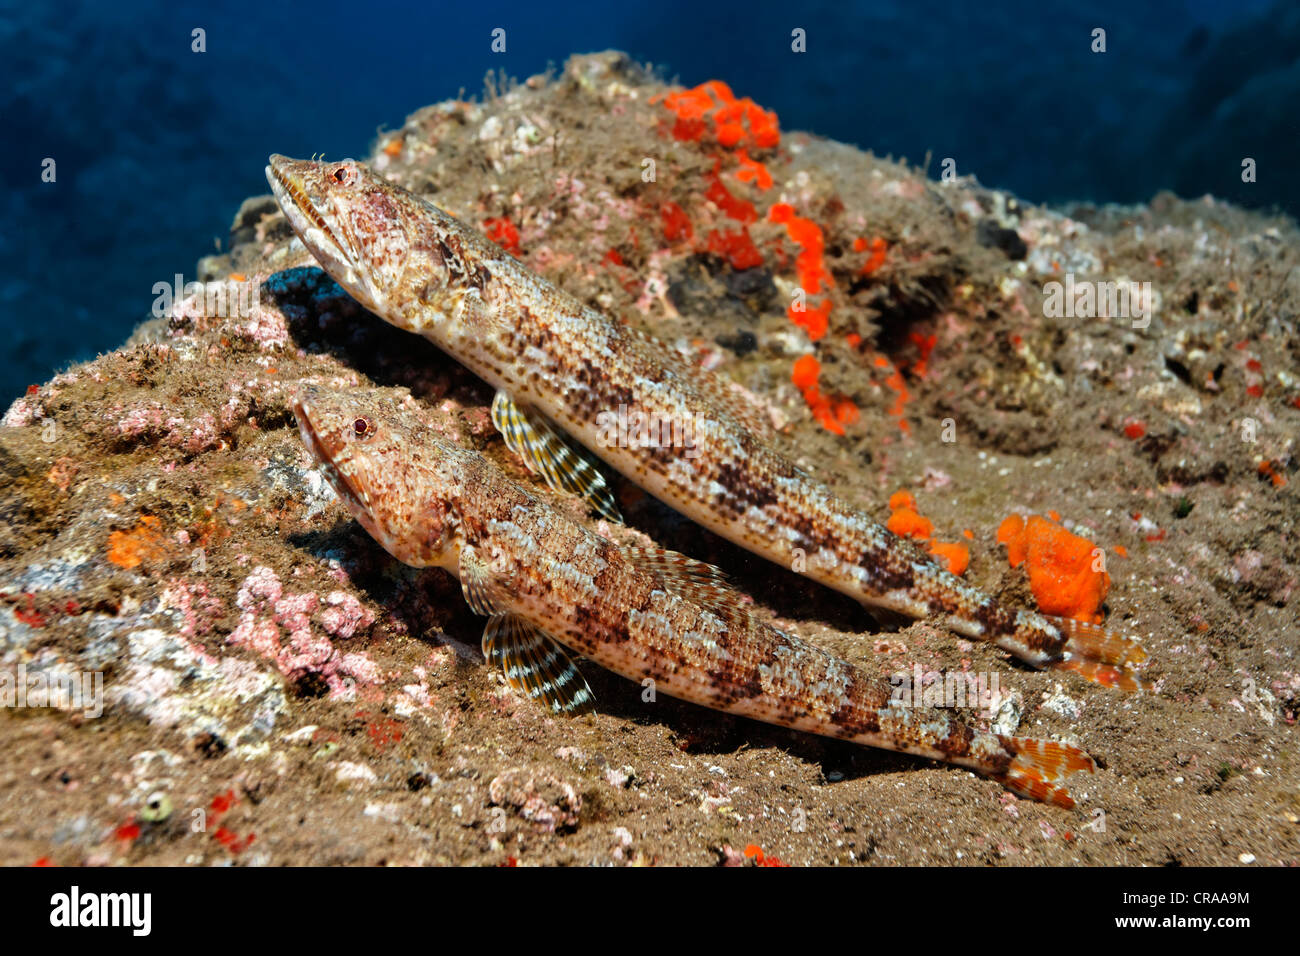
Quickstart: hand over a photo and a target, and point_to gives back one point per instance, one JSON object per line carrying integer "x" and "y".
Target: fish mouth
{"x": 323, "y": 453}
{"x": 289, "y": 185}
{"x": 304, "y": 195}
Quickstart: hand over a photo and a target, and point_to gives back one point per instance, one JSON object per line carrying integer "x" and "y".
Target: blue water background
{"x": 157, "y": 145}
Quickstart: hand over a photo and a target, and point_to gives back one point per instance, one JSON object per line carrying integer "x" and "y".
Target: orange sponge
{"x": 954, "y": 554}
{"x": 735, "y": 121}
{"x": 1066, "y": 572}
{"x": 907, "y": 522}
{"x": 833, "y": 413}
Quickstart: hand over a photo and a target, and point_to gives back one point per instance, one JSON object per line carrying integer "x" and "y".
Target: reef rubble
{"x": 1133, "y": 370}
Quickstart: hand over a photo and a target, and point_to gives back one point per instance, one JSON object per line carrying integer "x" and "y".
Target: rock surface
{"x": 275, "y": 689}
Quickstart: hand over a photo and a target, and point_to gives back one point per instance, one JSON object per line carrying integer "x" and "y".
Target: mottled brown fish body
{"x": 639, "y": 614}
{"x": 424, "y": 271}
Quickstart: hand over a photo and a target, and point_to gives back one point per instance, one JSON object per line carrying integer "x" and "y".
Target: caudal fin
{"x": 1095, "y": 653}
{"x": 1040, "y": 768}
{"x": 1108, "y": 675}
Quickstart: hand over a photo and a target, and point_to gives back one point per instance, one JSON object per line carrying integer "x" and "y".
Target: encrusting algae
{"x": 256, "y": 644}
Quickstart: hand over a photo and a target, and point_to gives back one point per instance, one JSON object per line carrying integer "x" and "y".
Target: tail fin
{"x": 1108, "y": 675}
{"x": 1041, "y": 766}
{"x": 1100, "y": 656}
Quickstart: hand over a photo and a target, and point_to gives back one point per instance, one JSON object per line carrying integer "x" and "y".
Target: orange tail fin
{"x": 1108, "y": 675}
{"x": 1100, "y": 656}
{"x": 1041, "y": 766}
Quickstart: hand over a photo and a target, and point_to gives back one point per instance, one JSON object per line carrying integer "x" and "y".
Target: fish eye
{"x": 363, "y": 427}
{"x": 344, "y": 175}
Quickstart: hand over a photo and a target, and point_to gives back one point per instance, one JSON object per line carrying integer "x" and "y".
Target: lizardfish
{"x": 560, "y": 366}
{"x": 549, "y": 586}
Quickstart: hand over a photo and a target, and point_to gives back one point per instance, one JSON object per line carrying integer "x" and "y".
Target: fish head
{"x": 353, "y": 221}
{"x": 392, "y": 472}
{"x": 409, "y": 262}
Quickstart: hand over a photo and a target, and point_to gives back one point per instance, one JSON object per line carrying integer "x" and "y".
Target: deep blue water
{"x": 156, "y": 145}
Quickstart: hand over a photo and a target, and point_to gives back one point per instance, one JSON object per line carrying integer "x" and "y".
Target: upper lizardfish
{"x": 547, "y": 583}
{"x": 556, "y": 362}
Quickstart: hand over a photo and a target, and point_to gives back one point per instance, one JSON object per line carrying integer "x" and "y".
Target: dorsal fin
{"x": 534, "y": 439}
{"x": 534, "y": 663}
{"x": 694, "y": 580}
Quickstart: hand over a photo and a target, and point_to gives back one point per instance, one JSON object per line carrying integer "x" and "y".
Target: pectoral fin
{"x": 536, "y": 665}
{"x": 478, "y": 585}
{"x": 530, "y": 436}
{"x": 695, "y": 580}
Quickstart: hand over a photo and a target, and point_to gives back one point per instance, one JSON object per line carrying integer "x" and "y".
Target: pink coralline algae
{"x": 140, "y": 420}
{"x": 539, "y": 797}
{"x": 21, "y": 414}
{"x": 269, "y": 612}
{"x": 345, "y": 615}
{"x": 197, "y": 606}
{"x": 152, "y": 421}
{"x": 200, "y": 436}
{"x": 266, "y": 327}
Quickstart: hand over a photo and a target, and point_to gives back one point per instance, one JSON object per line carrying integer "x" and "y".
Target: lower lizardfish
{"x": 561, "y": 367}
{"x": 549, "y": 586}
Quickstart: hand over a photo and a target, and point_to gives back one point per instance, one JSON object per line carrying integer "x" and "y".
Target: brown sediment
{"x": 1040, "y": 408}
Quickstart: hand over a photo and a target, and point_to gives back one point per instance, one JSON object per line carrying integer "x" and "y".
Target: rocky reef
{"x": 273, "y": 688}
